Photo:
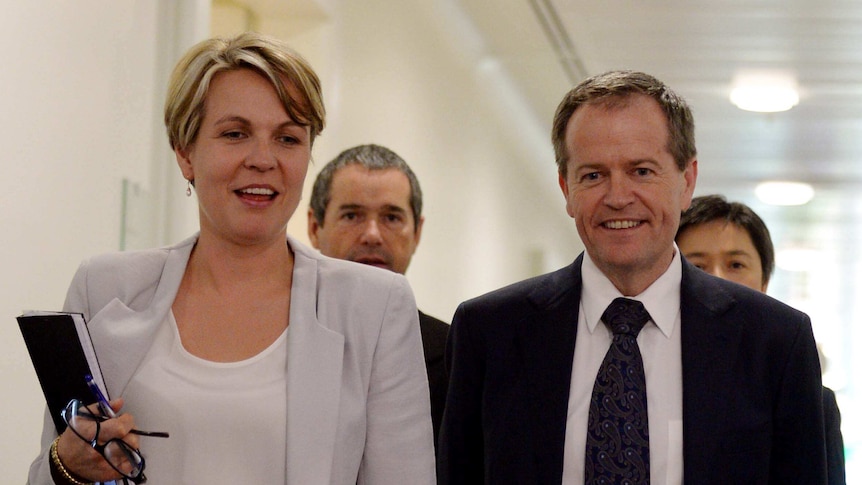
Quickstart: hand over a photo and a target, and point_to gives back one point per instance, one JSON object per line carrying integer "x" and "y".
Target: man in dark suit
{"x": 732, "y": 377}
{"x": 366, "y": 206}
{"x": 729, "y": 240}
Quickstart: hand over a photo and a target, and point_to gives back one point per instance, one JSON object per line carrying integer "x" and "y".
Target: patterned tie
{"x": 617, "y": 428}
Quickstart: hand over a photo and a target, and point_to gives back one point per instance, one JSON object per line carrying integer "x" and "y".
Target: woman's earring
{"x": 188, "y": 188}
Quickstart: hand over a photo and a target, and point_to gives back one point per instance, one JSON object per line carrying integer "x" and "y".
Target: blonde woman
{"x": 266, "y": 362}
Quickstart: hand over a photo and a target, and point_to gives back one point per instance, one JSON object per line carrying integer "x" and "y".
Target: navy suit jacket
{"x": 834, "y": 439}
{"x": 434, "y": 334}
{"x": 752, "y": 409}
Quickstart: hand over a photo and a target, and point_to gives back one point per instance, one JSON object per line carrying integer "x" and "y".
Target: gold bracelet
{"x": 58, "y": 465}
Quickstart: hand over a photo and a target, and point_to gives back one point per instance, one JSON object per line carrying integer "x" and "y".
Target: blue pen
{"x": 100, "y": 398}
{"x": 109, "y": 412}
{"x": 103, "y": 405}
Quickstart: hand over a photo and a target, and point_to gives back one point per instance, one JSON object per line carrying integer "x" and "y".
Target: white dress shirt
{"x": 659, "y": 343}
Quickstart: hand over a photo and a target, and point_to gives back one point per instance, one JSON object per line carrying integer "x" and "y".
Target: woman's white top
{"x": 226, "y": 420}
{"x": 358, "y": 408}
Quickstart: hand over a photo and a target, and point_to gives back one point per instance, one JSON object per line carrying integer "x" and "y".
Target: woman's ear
{"x": 185, "y": 163}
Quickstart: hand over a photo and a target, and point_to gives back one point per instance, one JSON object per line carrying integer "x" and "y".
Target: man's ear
{"x": 564, "y": 186}
{"x": 313, "y": 227}
{"x": 690, "y": 176}
{"x": 418, "y": 231}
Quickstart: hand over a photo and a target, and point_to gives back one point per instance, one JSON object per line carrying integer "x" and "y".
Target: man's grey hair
{"x": 372, "y": 157}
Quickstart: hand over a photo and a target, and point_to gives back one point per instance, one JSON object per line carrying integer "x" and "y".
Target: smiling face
{"x": 368, "y": 219}
{"x": 725, "y": 250}
{"x": 624, "y": 189}
{"x": 248, "y": 162}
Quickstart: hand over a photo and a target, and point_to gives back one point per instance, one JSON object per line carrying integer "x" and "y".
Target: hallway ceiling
{"x": 697, "y": 47}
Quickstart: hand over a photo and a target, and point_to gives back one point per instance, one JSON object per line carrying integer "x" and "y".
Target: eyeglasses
{"x": 126, "y": 460}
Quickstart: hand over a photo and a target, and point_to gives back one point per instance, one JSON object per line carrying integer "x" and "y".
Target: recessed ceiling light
{"x": 784, "y": 193}
{"x": 764, "y": 91}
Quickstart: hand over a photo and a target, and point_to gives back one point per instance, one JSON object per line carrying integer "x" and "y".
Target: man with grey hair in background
{"x": 366, "y": 206}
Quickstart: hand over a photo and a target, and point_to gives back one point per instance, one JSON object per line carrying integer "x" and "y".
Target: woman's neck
{"x": 224, "y": 265}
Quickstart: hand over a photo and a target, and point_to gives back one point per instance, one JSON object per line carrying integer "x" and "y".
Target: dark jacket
{"x": 752, "y": 406}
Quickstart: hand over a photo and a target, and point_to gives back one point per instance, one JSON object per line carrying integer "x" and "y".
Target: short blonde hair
{"x": 272, "y": 58}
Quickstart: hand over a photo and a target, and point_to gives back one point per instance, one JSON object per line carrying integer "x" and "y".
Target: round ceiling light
{"x": 784, "y": 193}
{"x": 764, "y": 92}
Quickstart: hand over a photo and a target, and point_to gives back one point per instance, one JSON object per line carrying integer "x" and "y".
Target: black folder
{"x": 62, "y": 353}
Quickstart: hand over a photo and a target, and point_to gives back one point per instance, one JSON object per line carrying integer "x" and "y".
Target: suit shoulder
{"x": 126, "y": 270}
{"x": 354, "y": 288}
{"x": 830, "y": 405}
{"x": 433, "y": 327}
{"x": 435, "y": 333}
{"x": 539, "y": 289}
{"x": 720, "y": 296}
{"x": 122, "y": 264}
{"x": 432, "y": 321}
{"x": 764, "y": 306}
{"x": 342, "y": 273}
{"x": 348, "y": 273}
{"x": 129, "y": 276}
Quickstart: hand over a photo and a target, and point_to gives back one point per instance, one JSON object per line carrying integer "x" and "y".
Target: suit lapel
{"x": 124, "y": 336}
{"x": 314, "y": 368}
{"x": 547, "y": 338}
{"x": 710, "y": 342}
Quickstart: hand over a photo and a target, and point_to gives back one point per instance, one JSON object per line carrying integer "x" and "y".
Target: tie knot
{"x": 625, "y": 316}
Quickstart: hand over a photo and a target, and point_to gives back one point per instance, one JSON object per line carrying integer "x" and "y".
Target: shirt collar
{"x": 661, "y": 298}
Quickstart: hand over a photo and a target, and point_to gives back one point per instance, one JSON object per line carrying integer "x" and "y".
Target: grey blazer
{"x": 358, "y": 407}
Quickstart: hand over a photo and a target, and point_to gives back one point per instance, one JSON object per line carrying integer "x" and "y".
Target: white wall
{"x": 406, "y": 75}
{"x": 82, "y": 88}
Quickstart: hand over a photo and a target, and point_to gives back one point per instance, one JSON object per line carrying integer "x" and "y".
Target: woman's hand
{"x": 80, "y": 458}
